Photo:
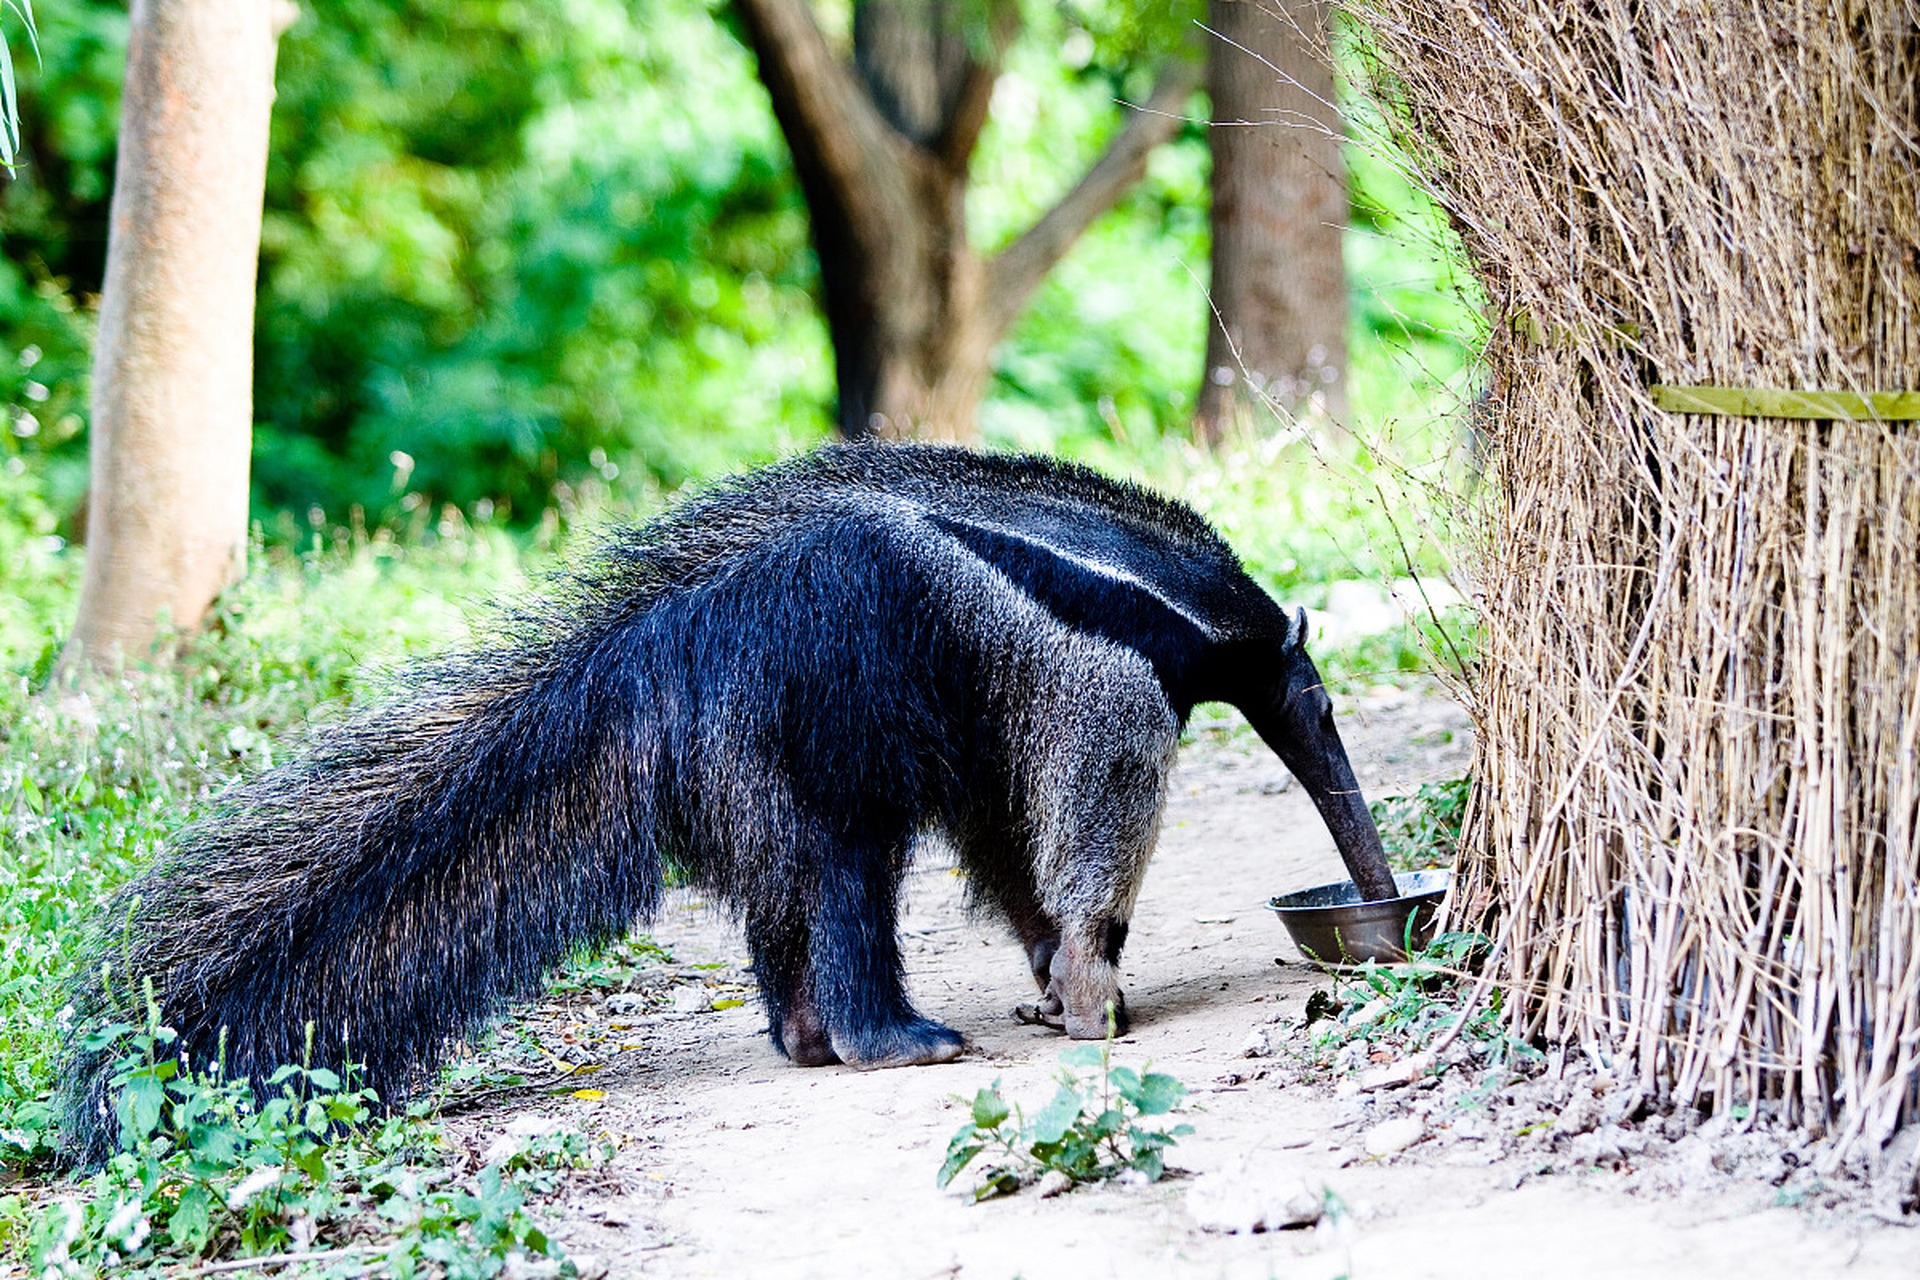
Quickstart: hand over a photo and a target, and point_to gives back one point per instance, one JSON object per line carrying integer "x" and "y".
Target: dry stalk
{"x": 1699, "y": 689}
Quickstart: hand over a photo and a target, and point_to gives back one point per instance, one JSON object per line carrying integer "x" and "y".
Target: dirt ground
{"x": 728, "y": 1162}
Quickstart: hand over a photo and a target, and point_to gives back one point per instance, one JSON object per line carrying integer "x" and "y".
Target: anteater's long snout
{"x": 1295, "y": 717}
{"x": 1345, "y": 812}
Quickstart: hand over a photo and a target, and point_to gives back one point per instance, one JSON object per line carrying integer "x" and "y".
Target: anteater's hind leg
{"x": 785, "y": 972}
{"x": 822, "y": 926}
{"x": 854, "y": 950}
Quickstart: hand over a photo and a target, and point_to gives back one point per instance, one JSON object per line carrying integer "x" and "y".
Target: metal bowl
{"x": 1332, "y": 927}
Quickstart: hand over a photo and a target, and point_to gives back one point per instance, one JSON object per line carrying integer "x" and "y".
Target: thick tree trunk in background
{"x": 882, "y": 147}
{"x": 1279, "y": 210}
{"x": 173, "y": 361}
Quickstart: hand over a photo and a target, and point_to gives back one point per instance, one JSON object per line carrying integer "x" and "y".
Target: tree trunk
{"x": 882, "y": 147}
{"x": 173, "y": 360}
{"x": 1278, "y": 336}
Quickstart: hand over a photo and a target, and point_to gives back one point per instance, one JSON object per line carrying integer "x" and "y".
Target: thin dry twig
{"x": 275, "y": 1260}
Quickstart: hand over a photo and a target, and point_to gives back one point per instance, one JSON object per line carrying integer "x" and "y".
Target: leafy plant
{"x": 1092, "y": 1129}
{"x": 205, "y": 1173}
{"x": 1422, "y": 829}
{"x": 1404, "y": 1008}
{"x": 616, "y": 967}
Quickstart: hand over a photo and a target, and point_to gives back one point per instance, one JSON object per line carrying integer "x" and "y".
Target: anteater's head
{"x": 1290, "y": 709}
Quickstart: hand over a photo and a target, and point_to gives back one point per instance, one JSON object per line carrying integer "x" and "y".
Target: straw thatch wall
{"x": 1699, "y": 696}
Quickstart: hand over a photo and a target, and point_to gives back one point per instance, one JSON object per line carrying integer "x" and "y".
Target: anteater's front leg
{"x": 1090, "y": 807}
{"x": 1078, "y": 973}
{"x": 1049, "y": 1009}
{"x": 1039, "y": 936}
{"x": 1085, "y": 978}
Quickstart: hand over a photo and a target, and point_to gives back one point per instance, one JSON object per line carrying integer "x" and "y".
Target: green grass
{"x": 317, "y": 1172}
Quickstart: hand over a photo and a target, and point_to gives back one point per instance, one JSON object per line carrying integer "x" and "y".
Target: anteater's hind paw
{"x": 813, "y": 1056}
{"x": 919, "y": 1043}
{"x": 800, "y": 1035}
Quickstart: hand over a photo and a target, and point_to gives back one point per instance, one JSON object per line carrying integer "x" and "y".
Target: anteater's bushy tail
{"x": 413, "y": 870}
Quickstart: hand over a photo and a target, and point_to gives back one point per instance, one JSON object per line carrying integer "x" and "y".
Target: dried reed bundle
{"x": 1700, "y": 689}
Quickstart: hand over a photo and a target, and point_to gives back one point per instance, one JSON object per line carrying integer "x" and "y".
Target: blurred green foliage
{"x": 508, "y": 249}
{"x": 510, "y": 246}
{"x": 53, "y": 218}
{"x": 515, "y": 250}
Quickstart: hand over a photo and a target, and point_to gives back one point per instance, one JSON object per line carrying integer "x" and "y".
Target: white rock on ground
{"x": 1052, "y": 1183}
{"x": 1394, "y": 1135}
{"x": 1245, "y": 1198}
{"x": 519, "y": 1131}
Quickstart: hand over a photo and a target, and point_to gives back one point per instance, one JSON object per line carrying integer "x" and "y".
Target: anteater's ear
{"x": 1297, "y": 630}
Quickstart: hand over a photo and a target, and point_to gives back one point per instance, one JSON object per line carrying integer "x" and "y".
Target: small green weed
{"x": 612, "y": 968}
{"x": 1401, "y": 1009}
{"x": 1422, "y": 829}
{"x": 1090, "y": 1131}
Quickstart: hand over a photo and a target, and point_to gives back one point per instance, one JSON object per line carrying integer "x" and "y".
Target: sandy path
{"x": 735, "y": 1164}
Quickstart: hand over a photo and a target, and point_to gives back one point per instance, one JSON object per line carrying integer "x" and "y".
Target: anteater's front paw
{"x": 919, "y": 1043}
{"x": 1049, "y": 1012}
{"x": 1112, "y": 1019}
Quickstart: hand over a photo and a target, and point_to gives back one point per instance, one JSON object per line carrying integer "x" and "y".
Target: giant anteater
{"x": 775, "y": 690}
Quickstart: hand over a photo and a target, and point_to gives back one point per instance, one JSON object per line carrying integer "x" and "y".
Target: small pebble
{"x": 1394, "y": 1135}
{"x": 1051, "y": 1184}
{"x": 1582, "y": 1114}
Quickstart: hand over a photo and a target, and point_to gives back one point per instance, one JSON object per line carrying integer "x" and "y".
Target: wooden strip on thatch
{"x": 1761, "y": 402}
